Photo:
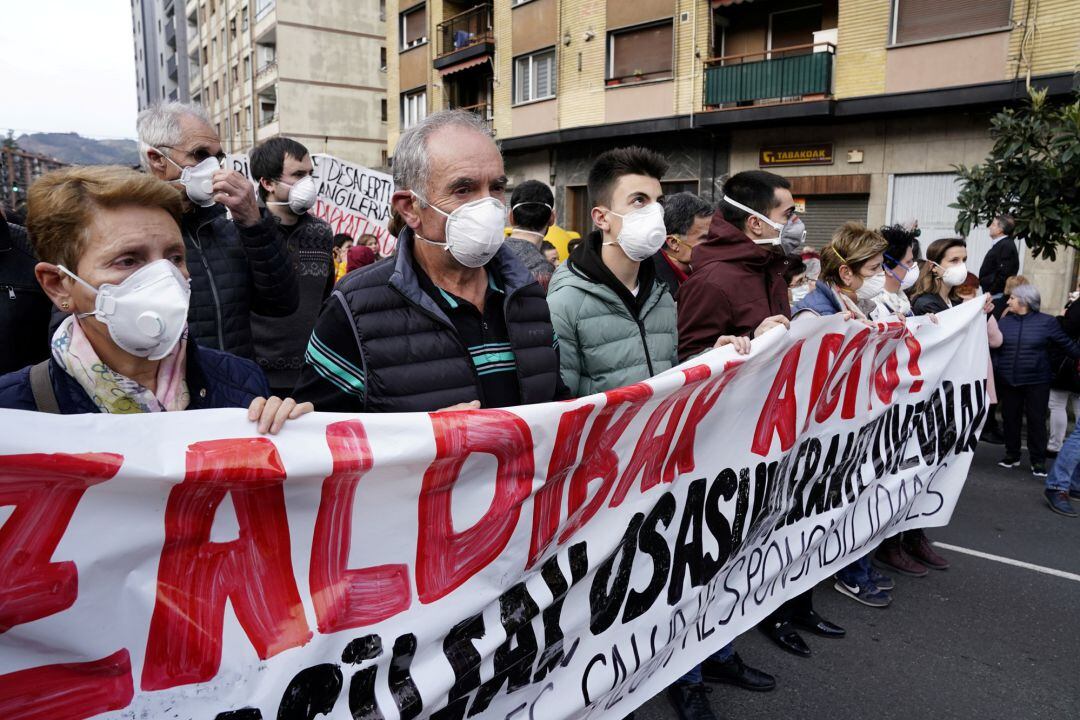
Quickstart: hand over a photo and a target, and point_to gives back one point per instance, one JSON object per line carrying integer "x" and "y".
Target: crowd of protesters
{"x": 214, "y": 296}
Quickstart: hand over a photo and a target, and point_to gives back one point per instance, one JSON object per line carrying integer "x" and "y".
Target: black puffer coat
{"x": 24, "y": 306}
{"x": 1024, "y": 357}
{"x": 1066, "y": 377}
{"x": 235, "y": 271}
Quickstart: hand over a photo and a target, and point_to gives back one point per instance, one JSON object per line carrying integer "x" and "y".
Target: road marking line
{"x": 1010, "y": 561}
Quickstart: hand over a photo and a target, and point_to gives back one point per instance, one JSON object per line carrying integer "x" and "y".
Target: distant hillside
{"x": 75, "y": 149}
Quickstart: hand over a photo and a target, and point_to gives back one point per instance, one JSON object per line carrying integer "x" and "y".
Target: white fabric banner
{"x": 352, "y": 199}
{"x": 566, "y": 560}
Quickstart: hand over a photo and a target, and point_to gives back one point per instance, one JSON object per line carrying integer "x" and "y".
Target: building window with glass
{"x": 927, "y": 20}
{"x": 640, "y": 54}
{"x": 414, "y": 27}
{"x": 413, "y": 107}
{"x": 534, "y": 77}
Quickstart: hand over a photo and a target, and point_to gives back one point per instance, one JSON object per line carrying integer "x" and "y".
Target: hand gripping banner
{"x": 567, "y": 560}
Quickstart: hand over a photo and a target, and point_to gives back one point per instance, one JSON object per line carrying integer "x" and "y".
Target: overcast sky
{"x": 67, "y": 66}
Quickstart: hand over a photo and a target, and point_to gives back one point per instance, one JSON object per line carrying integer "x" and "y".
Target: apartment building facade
{"x": 18, "y": 171}
{"x": 312, "y": 71}
{"x": 866, "y": 105}
{"x": 160, "y": 70}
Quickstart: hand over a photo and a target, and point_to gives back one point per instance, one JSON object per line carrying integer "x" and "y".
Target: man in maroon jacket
{"x": 737, "y": 286}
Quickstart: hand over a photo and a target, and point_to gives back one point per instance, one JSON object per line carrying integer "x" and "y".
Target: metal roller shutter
{"x": 825, "y": 213}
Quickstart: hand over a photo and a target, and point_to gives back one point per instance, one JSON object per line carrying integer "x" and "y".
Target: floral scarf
{"x": 111, "y": 391}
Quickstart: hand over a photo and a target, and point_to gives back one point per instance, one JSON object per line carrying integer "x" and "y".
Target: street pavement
{"x": 983, "y": 639}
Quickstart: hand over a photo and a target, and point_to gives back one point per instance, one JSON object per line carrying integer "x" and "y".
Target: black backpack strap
{"x": 41, "y": 386}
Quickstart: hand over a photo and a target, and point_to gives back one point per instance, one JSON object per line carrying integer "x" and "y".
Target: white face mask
{"x": 871, "y": 287}
{"x": 798, "y": 293}
{"x": 146, "y": 314}
{"x": 474, "y": 231}
{"x": 302, "y": 195}
{"x": 643, "y": 232}
{"x": 790, "y": 236}
{"x": 198, "y": 180}
{"x": 911, "y": 277}
{"x": 955, "y": 275}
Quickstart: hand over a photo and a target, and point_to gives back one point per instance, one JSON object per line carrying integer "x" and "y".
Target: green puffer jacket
{"x": 601, "y": 345}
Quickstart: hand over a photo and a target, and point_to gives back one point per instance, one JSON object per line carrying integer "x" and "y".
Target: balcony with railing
{"x": 170, "y": 66}
{"x": 465, "y": 36}
{"x": 486, "y": 111}
{"x": 266, "y": 74}
{"x": 170, "y": 31}
{"x": 780, "y": 75}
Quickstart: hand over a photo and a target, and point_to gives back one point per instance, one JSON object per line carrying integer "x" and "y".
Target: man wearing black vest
{"x": 453, "y": 320}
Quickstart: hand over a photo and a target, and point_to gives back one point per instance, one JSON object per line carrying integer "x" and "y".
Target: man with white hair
{"x": 237, "y": 267}
{"x": 453, "y": 320}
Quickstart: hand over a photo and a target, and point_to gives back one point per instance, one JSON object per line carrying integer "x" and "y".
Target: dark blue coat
{"x": 215, "y": 380}
{"x": 1024, "y": 357}
{"x": 820, "y": 301}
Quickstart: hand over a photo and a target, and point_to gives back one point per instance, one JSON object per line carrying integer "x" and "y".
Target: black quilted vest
{"x": 414, "y": 360}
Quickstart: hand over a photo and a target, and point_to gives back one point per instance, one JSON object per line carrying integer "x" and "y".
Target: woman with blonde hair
{"x": 851, "y": 274}
{"x": 112, "y": 255}
{"x": 851, "y": 279}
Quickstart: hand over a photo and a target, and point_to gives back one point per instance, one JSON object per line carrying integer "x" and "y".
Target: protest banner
{"x": 354, "y": 200}
{"x": 564, "y": 560}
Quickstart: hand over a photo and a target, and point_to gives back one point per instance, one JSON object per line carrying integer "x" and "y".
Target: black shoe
{"x": 1009, "y": 462}
{"x": 812, "y": 622}
{"x": 992, "y": 436}
{"x": 1074, "y": 494}
{"x": 785, "y": 636}
{"x": 1038, "y": 470}
{"x": 691, "y": 701}
{"x": 735, "y": 672}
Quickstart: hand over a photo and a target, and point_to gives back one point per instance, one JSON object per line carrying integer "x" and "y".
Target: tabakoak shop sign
{"x": 819, "y": 154}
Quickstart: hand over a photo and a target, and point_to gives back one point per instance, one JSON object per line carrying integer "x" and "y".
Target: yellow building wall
{"x": 503, "y": 85}
{"x": 863, "y": 33}
{"x": 1049, "y": 42}
{"x": 581, "y": 92}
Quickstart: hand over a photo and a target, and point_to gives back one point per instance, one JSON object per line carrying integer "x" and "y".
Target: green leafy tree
{"x": 9, "y": 142}
{"x": 1032, "y": 173}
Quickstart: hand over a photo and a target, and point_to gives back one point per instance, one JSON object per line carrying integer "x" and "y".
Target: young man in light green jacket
{"x": 616, "y": 324}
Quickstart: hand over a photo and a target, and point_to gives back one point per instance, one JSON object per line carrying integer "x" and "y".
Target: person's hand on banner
{"x": 271, "y": 413}
{"x": 234, "y": 191}
{"x": 471, "y": 405}
{"x": 769, "y": 323}
{"x": 741, "y": 343}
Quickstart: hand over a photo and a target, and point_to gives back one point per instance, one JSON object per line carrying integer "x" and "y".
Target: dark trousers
{"x": 1031, "y": 403}
{"x": 799, "y": 606}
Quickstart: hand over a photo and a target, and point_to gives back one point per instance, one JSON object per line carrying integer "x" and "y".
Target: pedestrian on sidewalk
{"x": 1023, "y": 365}
{"x": 1065, "y": 387}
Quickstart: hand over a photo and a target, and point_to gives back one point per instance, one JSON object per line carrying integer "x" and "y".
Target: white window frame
{"x": 413, "y": 107}
{"x": 527, "y": 64}
{"x": 401, "y": 30}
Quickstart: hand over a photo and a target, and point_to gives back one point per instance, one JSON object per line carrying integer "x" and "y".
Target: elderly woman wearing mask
{"x": 112, "y": 255}
{"x": 1023, "y": 367}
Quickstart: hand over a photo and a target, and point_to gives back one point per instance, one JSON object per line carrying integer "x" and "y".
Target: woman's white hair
{"x": 1029, "y": 295}
{"x": 159, "y": 125}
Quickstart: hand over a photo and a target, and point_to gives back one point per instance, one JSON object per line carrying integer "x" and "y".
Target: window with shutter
{"x": 414, "y": 27}
{"x": 640, "y": 53}
{"x": 921, "y": 20}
